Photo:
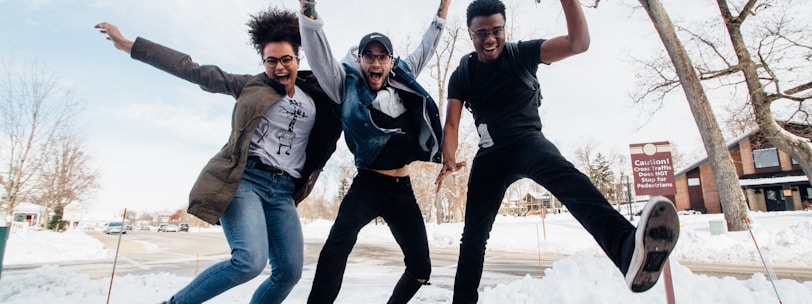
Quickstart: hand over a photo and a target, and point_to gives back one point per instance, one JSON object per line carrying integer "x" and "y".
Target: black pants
{"x": 372, "y": 195}
{"x": 533, "y": 156}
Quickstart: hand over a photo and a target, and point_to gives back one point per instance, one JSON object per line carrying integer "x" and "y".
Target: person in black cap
{"x": 389, "y": 121}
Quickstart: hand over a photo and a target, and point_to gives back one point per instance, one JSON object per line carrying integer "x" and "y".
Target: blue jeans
{"x": 260, "y": 223}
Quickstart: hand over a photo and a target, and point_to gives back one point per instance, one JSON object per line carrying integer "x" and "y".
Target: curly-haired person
{"x": 283, "y": 130}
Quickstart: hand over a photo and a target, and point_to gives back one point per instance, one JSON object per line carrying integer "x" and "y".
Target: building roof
{"x": 732, "y": 144}
{"x": 536, "y": 195}
{"x": 773, "y": 178}
{"x": 28, "y": 207}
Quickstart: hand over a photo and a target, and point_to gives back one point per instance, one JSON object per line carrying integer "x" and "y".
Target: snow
{"x": 584, "y": 276}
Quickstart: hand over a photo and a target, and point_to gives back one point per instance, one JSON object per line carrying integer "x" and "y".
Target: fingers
{"x": 104, "y": 28}
{"x": 439, "y": 180}
{"x": 445, "y": 171}
{"x": 441, "y": 176}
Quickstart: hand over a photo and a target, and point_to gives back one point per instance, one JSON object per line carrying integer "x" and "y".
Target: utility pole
{"x": 629, "y": 196}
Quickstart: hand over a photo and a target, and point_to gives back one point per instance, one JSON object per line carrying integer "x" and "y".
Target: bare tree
{"x": 767, "y": 75}
{"x": 730, "y": 193}
{"x": 34, "y": 108}
{"x": 441, "y": 70}
{"x": 66, "y": 174}
{"x": 444, "y": 59}
{"x": 455, "y": 186}
{"x": 768, "y": 58}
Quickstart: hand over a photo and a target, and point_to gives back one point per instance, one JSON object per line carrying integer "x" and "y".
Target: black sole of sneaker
{"x": 659, "y": 230}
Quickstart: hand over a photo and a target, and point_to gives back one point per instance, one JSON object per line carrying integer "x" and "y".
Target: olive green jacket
{"x": 219, "y": 179}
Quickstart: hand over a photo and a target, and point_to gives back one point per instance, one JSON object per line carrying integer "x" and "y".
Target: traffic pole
{"x": 115, "y": 259}
{"x": 669, "y": 284}
{"x": 770, "y": 273}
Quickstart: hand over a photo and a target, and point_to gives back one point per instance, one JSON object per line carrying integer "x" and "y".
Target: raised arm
{"x": 442, "y": 12}
{"x": 450, "y": 141}
{"x": 317, "y": 50}
{"x": 114, "y": 35}
{"x": 210, "y": 78}
{"x": 420, "y": 57}
{"x": 575, "y": 42}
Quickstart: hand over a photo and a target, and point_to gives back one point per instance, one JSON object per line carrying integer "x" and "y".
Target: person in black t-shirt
{"x": 497, "y": 83}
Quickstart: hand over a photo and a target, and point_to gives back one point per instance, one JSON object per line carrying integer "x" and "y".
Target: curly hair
{"x": 274, "y": 25}
{"x": 484, "y": 8}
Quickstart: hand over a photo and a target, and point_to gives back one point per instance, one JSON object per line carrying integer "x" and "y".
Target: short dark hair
{"x": 484, "y": 8}
{"x": 274, "y": 25}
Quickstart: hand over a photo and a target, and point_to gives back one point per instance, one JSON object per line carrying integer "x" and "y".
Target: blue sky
{"x": 150, "y": 133}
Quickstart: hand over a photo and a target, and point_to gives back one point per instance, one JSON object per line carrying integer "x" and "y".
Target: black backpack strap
{"x": 513, "y": 55}
{"x": 512, "y": 50}
{"x": 465, "y": 77}
{"x": 530, "y": 80}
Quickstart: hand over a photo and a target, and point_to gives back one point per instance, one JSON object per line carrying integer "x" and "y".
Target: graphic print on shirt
{"x": 294, "y": 111}
{"x": 485, "y": 140}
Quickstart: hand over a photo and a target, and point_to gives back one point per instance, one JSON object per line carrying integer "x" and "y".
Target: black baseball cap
{"x": 372, "y": 37}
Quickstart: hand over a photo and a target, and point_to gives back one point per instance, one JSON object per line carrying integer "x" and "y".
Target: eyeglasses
{"x": 382, "y": 58}
{"x": 285, "y": 60}
{"x": 483, "y": 34}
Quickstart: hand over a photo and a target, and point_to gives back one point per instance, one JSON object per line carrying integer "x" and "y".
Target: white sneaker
{"x": 655, "y": 237}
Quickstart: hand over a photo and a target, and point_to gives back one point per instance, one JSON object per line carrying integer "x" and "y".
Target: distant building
{"x": 73, "y": 213}
{"x": 770, "y": 178}
{"x": 531, "y": 204}
{"x": 29, "y": 213}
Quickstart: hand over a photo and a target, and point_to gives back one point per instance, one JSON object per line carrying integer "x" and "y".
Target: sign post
{"x": 653, "y": 172}
{"x": 653, "y": 169}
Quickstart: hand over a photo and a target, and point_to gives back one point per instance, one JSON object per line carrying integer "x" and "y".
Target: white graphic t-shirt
{"x": 281, "y": 138}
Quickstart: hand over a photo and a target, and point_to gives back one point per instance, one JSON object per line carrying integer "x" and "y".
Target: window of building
{"x": 765, "y": 158}
{"x": 693, "y": 181}
{"x": 794, "y": 162}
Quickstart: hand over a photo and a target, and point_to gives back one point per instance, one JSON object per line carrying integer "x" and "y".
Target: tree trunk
{"x": 798, "y": 147}
{"x": 727, "y": 181}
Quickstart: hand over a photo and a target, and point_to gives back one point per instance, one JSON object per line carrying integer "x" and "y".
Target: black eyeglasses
{"x": 285, "y": 60}
{"x": 483, "y": 34}
{"x": 382, "y": 58}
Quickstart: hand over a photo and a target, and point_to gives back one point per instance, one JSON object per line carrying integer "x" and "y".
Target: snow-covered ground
{"x": 586, "y": 276}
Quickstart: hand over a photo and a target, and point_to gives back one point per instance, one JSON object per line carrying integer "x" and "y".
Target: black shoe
{"x": 654, "y": 239}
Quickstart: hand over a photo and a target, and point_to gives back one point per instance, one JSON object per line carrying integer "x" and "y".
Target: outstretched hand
{"x": 442, "y": 12}
{"x": 114, "y": 35}
{"x": 308, "y": 8}
{"x": 448, "y": 168}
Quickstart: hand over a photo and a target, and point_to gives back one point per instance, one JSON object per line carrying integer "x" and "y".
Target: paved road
{"x": 185, "y": 254}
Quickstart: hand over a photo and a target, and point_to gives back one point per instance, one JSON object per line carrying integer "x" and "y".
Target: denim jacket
{"x": 364, "y": 139}
{"x": 345, "y": 84}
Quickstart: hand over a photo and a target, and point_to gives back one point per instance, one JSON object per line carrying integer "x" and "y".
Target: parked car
{"x": 168, "y": 228}
{"x": 114, "y": 227}
{"x": 144, "y": 228}
{"x": 184, "y": 227}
